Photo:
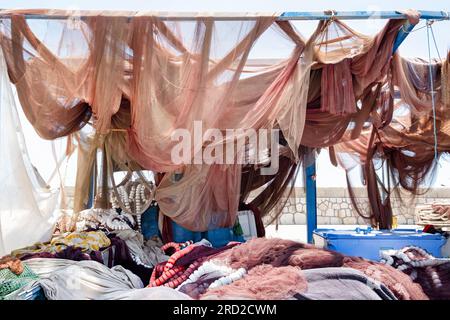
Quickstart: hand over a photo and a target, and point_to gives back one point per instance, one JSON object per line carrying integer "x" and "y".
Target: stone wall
{"x": 334, "y": 206}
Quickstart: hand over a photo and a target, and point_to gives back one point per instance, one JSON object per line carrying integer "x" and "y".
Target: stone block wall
{"x": 334, "y": 206}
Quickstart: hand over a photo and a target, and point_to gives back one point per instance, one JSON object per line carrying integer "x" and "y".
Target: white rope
{"x": 435, "y": 44}
{"x": 433, "y": 102}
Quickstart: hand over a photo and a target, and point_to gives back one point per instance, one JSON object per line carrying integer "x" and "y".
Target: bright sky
{"x": 414, "y": 46}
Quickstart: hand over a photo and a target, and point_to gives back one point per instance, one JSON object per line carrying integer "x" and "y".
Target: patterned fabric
{"x": 91, "y": 240}
{"x": 87, "y": 241}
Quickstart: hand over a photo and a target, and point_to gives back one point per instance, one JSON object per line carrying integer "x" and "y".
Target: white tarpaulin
{"x": 26, "y": 206}
{"x": 63, "y": 279}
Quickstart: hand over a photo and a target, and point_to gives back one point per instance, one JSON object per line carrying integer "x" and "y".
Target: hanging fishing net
{"x": 142, "y": 79}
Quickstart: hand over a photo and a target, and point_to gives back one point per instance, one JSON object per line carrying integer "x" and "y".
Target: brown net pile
{"x": 280, "y": 252}
{"x": 140, "y": 79}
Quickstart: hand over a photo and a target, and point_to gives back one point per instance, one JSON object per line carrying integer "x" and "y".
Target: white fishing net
{"x": 26, "y": 204}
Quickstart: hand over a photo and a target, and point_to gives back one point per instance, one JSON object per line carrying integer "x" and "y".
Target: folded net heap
{"x": 137, "y": 78}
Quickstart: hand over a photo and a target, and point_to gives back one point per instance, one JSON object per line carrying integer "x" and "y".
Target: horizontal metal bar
{"x": 361, "y": 15}
{"x": 186, "y": 16}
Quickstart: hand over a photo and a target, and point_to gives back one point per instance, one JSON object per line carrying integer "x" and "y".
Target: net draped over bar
{"x": 150, "y": 76}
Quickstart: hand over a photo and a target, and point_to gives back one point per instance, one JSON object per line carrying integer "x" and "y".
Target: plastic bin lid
{"x": 370, "y": 233}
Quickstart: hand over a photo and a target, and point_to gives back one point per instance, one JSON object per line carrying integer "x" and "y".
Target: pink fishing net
{"x": 274, "y": 255}
{"x": 263, "y": 282}
{"x": 139, "y": 77}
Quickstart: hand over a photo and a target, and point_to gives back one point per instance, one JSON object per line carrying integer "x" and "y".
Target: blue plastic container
{"x": 217, "y": 237}
{"x": 149, "y": 223}
{"x": 181, "y": 234}
{"x": 367, "y": 243}
{"x": 220, "y": 237}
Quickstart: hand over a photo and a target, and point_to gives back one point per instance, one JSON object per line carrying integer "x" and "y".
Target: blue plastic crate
{"x": 367, "y": 243}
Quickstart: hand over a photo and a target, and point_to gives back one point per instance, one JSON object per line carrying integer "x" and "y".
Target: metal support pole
{"x": 402, "y": 34}
{"x": 311, "y": 198}
{"x": 92, "y": 184}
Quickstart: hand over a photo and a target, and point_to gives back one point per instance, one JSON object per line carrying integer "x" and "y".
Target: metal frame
{"x": 313, "y": 15}
{"x": 360, "y": 15}
{"x": 310, "y": 171}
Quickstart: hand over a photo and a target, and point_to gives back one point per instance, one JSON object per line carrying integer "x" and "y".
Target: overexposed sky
{"x": 414, "y": 46}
